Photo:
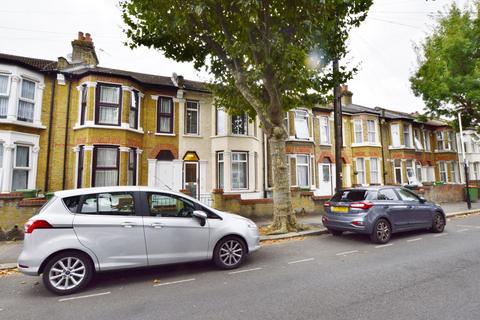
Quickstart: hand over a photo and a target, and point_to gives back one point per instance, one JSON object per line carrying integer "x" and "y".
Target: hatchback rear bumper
{"x": 343, "y": 224}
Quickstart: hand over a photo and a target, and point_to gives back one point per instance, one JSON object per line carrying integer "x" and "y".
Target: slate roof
{"x": 30, "y": 63}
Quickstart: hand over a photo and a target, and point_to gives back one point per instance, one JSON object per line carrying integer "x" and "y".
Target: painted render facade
{"x": 71, "y": 123}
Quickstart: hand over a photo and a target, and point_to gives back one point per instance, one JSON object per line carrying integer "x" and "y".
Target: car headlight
{"x": 251, "y": 224}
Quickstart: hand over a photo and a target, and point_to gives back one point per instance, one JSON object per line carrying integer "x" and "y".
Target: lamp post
{"x": 465, "y": 162}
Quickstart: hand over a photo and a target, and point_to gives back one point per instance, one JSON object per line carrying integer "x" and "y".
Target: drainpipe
{"x": 384, "y": 173}
{"x": 66, "y": 135}
{"x": 49, "y": 139}
{"x": 265, "y": 167}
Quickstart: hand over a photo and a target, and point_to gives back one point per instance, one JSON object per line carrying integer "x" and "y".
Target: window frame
{"x": 440, "y": 142}
{"x": 244, "y": 117}
{"x": 407, "y": 135}
{"x": 374, "y": 132}
{"x": 395, "y": 127}
{"x": 134, "y": 108}
{"x": 99, "y": 104}
{"x": 197, "y": 110}
{"x": 376, "y": 172}
{"x": 217, "y": 167}
{"x": 307, "y": 164}
{"x": 302, "y": 115}
{"x": 80, "y": 165}
{"x": 28, "y": 168}
{"x": 195, "y": 205}
{"x": 395, "y": 167}
{"x": 444, "y": 171}
{"x": 417, "y": 141}
{"x": 83, "y": 103}
{"x": 95, "y": 166}
{"x": 6, "y": 95}
{"x": 132, "y": 167}
{"x": 27, "y": 100}
{"x": 360, "y": 171}
{"x": 325, "y": 136}
{"x": 246, "y": 161}
{"x": 426, "y": 140}
{"x": 97, "y": 213}
{"x": 355, "y": 131}
{"x": 170, "y": 115}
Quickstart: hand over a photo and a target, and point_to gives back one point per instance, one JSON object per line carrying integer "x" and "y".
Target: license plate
{"x": 340, "y": 209}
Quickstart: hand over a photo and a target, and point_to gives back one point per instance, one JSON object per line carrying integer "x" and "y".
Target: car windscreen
{"x": 353, "y": 195}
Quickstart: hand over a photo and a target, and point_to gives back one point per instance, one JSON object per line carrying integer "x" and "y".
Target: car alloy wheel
{"x": 67, "y": 272}
{"x": 229, "y": 253}
{"x": 382, "y": 231}
{"x": 438, "y": 223}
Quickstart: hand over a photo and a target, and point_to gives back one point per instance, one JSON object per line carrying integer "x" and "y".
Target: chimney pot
{"x": 88, "y": 37}
{"x": 80, "y": 35}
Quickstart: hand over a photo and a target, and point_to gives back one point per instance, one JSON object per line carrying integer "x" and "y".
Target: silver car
{"x": 79, "y": 232}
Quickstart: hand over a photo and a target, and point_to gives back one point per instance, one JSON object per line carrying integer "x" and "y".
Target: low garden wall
{"x": 15, "y": 210}
{"x": 443, "y": 193}
{"x": 303, "y": 202}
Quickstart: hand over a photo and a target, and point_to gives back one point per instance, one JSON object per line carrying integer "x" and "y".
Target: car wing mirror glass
{"x": 422, "y": 199}
{"x": 200, "y": 215}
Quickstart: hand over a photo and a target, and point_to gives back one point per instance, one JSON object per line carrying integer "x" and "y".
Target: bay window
{"x": 324, "y": 130}
{"x": 108, "y": 105}
{"x": 239, "y": 170}
{"x": 374, "y": 171}
{"x": 220, "y": 170}
{"x": 302, "y": 130}
{"x": 105, "y": 166}
{"x": 439, "y": 135}
{"x": 358, "y": 132}
{"x": 371, "y": 131}
{"x": 26, "y": 101}
{"x": 4, "y": 94}
{"x": 21, "y": 167}
{"x": 240, "y": 124}
{"x": 303, "y": 169}
{"x": 83, "y": 103}
{"x": 132, "y": 167}
{"x": 134, "y": 106}
{"x": 164, "y": 115}
{"x": 191, "y": 117}
{"x": 221, "y": 118}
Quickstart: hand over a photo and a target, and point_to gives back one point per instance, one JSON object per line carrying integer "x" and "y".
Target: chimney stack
{"x": 83, "y": 50}
{"x": 346, "y": 95}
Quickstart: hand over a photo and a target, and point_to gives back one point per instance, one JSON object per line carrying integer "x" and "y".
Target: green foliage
{"x": 266, "y": 56}
{"x": 448, "y": 77}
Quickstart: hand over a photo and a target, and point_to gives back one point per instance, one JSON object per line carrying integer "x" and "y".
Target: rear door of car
{"x": 108, "y": 224}
{"x": 396, "y": 210}
{"x": 172, "y": 234}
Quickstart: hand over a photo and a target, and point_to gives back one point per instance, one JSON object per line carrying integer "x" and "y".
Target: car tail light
{"x": 358, "y": 223}
{"x": 327, "y": 204}
{"x": 364, "y": 205}
{"x": 37, "y": 224}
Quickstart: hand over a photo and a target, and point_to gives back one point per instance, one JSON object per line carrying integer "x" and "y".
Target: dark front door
{"x": 191, "y": 178}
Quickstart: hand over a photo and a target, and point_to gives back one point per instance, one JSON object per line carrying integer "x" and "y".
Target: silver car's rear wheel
{"x": 381, "y": 232}
{"x": 67, "y": 272}
{"x": 229, "y": 253}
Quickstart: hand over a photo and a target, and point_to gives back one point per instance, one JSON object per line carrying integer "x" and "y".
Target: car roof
{"x": 78, "y": 192}
{"x": 371, "y": 188}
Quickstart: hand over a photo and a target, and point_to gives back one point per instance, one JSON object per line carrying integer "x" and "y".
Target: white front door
{"x": 327, "y": 183}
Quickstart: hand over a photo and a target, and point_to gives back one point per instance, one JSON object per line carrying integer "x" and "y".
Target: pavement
{"x": 417, "y": 275}
{"x": 10, "y": 250}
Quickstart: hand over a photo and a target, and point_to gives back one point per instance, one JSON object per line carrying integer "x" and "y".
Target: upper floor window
{"x": 4, "y": 79}
{"x": 426, "y": 140}
{"x": 395, "y": 131}
{"x": 371, "y": 131}
{"x": 221, "y": 118}
{"x": 134, "y": 106}
{"x": 240, "y": 124}
{"x": 108, "y": 105}
{"x": 416, "y": 139}
{"x": 439, "y": 135}
{"x": 191, "y": 117}
{"x": 165, "y": 115}
{"x": 302, "y": 130}
{"x": 358, "y": 132}
{"x": 26, "y": 101}
{"x": 406, "y": 136}
{"x": 324, "y": 130}
{"x": 105, "y": 166}
{"x": 452, "y": 143}
{"x": 83, "y": 103}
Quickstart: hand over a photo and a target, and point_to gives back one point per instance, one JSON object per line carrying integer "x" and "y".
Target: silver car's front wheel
{"x": 229, "y": 253}
{"x": 67, "y": 272}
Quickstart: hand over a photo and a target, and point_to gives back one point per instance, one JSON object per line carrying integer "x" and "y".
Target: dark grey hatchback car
{"x": 381, "y": 211}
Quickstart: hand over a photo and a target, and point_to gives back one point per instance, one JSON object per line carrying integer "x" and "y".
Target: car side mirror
{"x": 422, "y": 199}
{"x": 200, "y": 215}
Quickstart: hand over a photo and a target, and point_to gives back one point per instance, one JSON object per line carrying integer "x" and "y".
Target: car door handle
{"x": 128, "y": 224}
{"x": 156, "y": 225}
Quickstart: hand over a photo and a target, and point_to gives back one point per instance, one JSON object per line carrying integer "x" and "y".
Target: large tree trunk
{"x": 284, "y": 219}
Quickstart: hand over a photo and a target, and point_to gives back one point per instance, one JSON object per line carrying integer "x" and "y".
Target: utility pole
{"x": 465, "y": 163}
{"x": 337, "y": 120}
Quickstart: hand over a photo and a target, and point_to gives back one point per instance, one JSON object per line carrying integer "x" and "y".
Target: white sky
{"x": 382, "y": 46}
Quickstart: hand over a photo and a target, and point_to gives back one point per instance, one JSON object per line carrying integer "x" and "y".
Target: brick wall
{"x": 14, "y": 212}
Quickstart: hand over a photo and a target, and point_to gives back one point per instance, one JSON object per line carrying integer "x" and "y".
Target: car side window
{"x": 165, "y": 205}
{"x": 407, "y": 195}
{"x": 115, "y": 203}
{"x": 387, "y": 194}
{"x": 72, "y": 203}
